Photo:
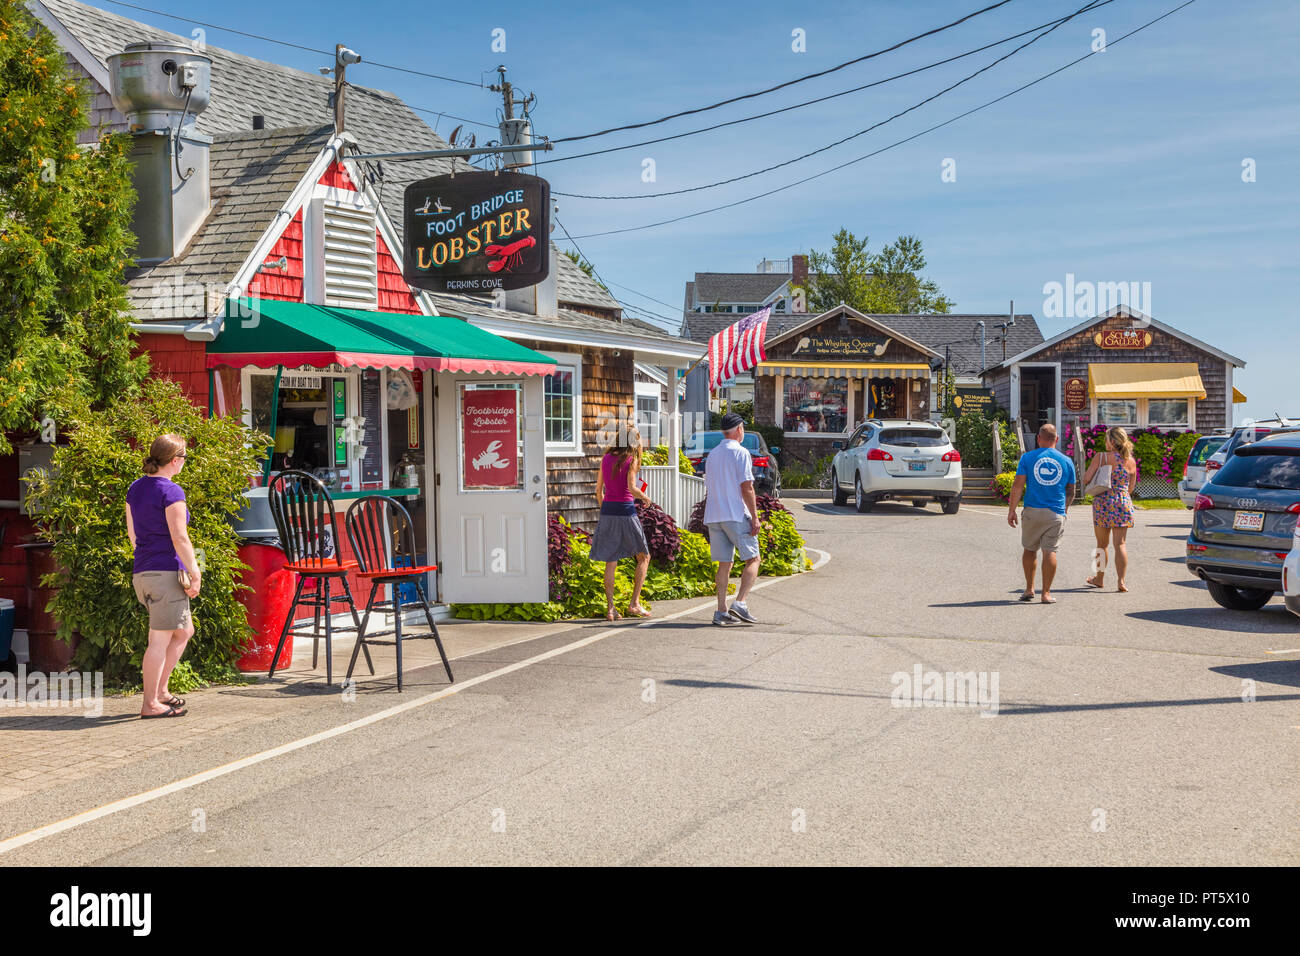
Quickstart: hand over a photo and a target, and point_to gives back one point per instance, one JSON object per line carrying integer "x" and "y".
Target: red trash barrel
{"x": 267, "y": 605}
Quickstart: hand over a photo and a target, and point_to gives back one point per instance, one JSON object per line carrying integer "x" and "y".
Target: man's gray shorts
{"x": 728, "y": 537}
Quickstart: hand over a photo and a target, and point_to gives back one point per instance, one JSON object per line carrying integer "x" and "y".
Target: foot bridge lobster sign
{"x": 474, "y": 232}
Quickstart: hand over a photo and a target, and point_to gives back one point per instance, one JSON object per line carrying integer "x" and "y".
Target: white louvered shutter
{"x": 349, "y": 252}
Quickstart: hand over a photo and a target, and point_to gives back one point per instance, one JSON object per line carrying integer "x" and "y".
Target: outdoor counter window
{"x": 491, "y": 440}
{"x": 314, "y": 417}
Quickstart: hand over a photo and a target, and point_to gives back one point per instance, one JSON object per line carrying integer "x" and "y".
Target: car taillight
{"x": 877, "y": 454}
{"x": 1203, "y": 503}
{"x": 1213, "y": 465}
{"x": 953, "y": 455}
{"x": 760, "y": 461}
{"x": 1196, "y": 548}
{"x": 1295, "y": 508}
{"x": 696, "y": 461}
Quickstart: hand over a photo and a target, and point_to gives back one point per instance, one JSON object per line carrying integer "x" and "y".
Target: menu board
{"x": 372, "y": 409}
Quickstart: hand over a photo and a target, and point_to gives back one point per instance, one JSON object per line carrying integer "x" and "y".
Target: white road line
{"x": 1289, "y": 650}
{"x": 127, "y": 803}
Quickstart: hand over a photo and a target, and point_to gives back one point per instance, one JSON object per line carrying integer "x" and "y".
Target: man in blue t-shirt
{"x": 1047, "y": 479}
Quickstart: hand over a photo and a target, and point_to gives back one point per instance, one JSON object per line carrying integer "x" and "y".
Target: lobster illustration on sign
{"x": 489, "y": 458}
{"x": 511, "y": 254}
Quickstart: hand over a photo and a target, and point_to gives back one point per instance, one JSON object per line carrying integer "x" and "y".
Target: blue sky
{"x": 1125, "y": 168}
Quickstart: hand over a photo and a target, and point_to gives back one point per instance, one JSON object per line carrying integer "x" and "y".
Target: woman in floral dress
{"x": 1112, "y": 511}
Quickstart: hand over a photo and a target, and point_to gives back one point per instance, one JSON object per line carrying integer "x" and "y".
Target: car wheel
{"x": 950, "y": 505}
{"x": 860, "y": 500}
{"x": 1239, "y": 599}
{"x": 839, "y": 497}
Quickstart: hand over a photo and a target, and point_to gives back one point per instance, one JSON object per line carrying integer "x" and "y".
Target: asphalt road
{"x": 1121, "y": 734}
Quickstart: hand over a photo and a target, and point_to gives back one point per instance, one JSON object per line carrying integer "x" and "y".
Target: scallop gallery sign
{"x": 474, "y": 232}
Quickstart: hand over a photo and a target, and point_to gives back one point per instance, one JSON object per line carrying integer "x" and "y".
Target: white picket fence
{"x": 659, "y": 479}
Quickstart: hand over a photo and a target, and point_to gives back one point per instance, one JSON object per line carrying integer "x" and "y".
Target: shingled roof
{"x": 289, "y": 99}
{"x": 252, "y": 174}
{"x": 740, "y": 287}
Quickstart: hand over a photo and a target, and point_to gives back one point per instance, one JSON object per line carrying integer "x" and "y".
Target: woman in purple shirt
{"x": 618, "y": 533}
{"x": 165, "y": 572}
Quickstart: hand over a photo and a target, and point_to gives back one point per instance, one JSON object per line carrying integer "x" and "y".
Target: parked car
{"x": 897, "y": 460}
{"x": 767, "y": 474}
{"x": 1291, "y": 573}
{"x": 1244, "y": 435}
{"x": 1244, "y": 522}
{"x": 1194, "y": 473}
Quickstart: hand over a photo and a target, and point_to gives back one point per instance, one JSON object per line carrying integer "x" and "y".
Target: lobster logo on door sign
{"x": 489, "y": 458}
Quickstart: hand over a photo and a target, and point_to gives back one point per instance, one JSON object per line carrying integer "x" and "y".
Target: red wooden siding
{"x": 337, "y": 176}
{"x": 177, "y": 358}
{"x": 394, "y": 294}
{"x": 283, "y": 284}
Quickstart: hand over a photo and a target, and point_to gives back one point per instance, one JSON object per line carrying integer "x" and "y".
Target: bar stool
{"x": 382, "y": 534}
{"x": 304, "y": 517}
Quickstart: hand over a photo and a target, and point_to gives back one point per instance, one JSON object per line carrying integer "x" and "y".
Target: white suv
{"x": 898, "y": 460}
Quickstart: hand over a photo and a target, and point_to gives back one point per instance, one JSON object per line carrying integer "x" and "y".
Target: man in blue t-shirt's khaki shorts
{"x": 1047, "y": 479}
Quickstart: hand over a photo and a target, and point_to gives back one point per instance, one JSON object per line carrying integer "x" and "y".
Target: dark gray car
{"x": 1243, "y": 522}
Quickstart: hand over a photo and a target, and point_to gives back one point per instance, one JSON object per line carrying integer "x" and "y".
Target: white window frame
{"x": 571, "y": 449}
{"x": 650, "y": 390}
{"x": 1143, "y": 413}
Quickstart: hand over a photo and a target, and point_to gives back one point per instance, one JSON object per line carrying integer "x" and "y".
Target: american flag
{"x": 738, "y": 348}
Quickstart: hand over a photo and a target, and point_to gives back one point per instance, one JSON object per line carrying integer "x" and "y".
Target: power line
{"x": 296, "y": 46}
{"x": 421, "y": 109}
{"x": 781, "y": 86}
{"x": 862, "y": 132}
{"x": 877, "y": 152}
{"x": 795, "y": 106}
{"x": 644, "y": 296}
{"x": 601, "y": 279}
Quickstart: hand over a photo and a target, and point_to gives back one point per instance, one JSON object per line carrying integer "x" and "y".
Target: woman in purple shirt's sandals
{"x": 165, "y": 573}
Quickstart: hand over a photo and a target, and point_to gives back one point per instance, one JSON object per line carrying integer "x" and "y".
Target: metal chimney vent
{"x": 161, "y": 88}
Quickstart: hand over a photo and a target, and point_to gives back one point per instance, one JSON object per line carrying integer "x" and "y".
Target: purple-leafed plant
{"x": 660, "y": 533}
{"x": 559, "y": 538}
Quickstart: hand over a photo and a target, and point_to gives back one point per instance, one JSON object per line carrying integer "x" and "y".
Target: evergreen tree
{"x": 65, "y": 240}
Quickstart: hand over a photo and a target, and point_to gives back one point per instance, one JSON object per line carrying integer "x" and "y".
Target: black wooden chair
{"x": 304, "y": 517}
{"x": 383, "y": 540}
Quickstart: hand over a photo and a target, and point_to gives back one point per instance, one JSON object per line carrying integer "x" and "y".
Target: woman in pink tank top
{"x": 618, "y": 533}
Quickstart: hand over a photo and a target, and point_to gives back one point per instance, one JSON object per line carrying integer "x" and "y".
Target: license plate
{"x": 916, "y": 466}
{"x": 1248, "y": 521}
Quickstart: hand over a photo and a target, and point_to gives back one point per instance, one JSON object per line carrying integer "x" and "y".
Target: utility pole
{"x": 342, "y": 58}
{"x": 514, "y": 131}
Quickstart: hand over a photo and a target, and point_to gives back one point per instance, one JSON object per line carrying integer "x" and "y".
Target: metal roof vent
{"x": 161, "y": 88}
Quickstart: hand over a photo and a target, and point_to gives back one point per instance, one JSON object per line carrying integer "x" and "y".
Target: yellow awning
{"x": 1237, "y": 397}
{"x": 1145, "y": 380}
{"x": 830, "y": 368}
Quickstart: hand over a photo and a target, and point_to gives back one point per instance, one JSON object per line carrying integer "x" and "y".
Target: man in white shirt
{"x": 731, "y": 514}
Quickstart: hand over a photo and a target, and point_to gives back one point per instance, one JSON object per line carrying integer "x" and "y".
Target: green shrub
{"x": 1001, "y": 484}
{"x": 83, "y": 498}
{"x": 1011, "y": 449}
{"x": 975, "y": 441}
{"x": 658, "y": 455}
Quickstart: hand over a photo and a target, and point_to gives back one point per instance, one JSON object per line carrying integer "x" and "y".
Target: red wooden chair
{"x": 304, "y": 517}
{"x": 383, "y": 539}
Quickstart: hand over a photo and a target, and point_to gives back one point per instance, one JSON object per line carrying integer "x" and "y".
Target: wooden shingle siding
{"x": 1079, "y": 350}
{"x": 607, "y": 398}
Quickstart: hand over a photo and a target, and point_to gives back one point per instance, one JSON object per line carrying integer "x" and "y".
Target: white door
{"x": 491, "y": 498}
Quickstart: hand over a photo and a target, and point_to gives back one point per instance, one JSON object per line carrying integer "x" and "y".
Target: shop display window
{"x": 1171, "y": 412}
{"x": 310, "y": 416}
{"x": 1117, "y": 411}
{"x": 816, "y": 405}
